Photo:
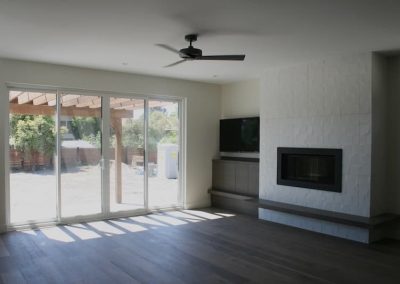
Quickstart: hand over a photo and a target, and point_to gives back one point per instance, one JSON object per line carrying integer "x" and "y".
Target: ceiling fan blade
{"x": 222, "y": 57}
{"x": 167, "y": 47}
{"x": 175, "y": 63}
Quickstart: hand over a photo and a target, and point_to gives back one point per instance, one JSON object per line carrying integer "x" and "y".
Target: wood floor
{"x": 207, "y": 246}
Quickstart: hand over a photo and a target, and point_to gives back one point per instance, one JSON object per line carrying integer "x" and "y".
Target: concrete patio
{"x": 33, "y": 194}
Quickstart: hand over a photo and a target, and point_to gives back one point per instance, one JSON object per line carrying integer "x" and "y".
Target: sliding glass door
{"x": 32, "y": 145}
{"x": 127, "y": 138}
{"x": 80, "y": 152}
{"x": 63, "y": 167}
{"x": 163, "y": 153}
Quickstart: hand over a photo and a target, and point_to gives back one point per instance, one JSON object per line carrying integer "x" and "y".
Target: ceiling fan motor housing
{"x": 190, "y": 52}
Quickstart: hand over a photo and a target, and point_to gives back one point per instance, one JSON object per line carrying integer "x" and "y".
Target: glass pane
{"x": 127, "y": 154}
{"x": 163, "y": 154}
{"x": 80, "y": 127}
{"x": 32, "y": 143}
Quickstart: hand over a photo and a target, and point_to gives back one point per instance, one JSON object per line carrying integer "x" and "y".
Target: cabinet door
{"x": 242, "y": 178}
{"x": 224, "y": 175}
{"x": 254, "y": 179}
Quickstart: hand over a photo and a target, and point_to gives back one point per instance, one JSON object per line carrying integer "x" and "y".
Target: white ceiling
{"x": 121, "y": 34}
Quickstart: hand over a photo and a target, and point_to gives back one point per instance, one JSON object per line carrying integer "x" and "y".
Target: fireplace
{"x": 310, "y": 168}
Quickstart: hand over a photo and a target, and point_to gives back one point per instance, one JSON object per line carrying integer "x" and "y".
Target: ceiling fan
{"x": 191, "y": 53}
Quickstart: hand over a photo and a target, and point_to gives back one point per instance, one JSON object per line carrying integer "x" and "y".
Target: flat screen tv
{"x": 239, "y": 135}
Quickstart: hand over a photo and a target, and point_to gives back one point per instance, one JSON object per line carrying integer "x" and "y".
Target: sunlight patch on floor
{"x": 122, "y": 226}
{"x": 147, "y": 221}
{"x": 56, "y": 234}
{"x": 128, "y": 226}
{"x": 82, "y": 232}
{"x": 168, "y": 220}
{"x": 225, "y": 214}
{"x": 203, "y": 214}
{"x": 185, "y": 216}
{"x": 105, "y": 228}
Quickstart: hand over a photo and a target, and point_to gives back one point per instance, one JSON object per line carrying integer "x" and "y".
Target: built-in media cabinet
{"x": 233, "y": 181}
{"x": 236, "y": 176}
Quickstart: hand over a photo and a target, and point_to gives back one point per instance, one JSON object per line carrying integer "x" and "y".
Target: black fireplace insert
{"x": 313, "y": 168}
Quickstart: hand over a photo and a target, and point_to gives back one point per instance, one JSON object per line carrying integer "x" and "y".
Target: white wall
{"x": 203, "y": 112}
{"x": 240, "y": 99}
{"x": 324, "y": 104}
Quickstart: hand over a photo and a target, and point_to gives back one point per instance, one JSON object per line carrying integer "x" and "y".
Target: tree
{"x": 33, "y": 135}
{"x": 133, "y": 133}
{"x": 82, "y": 127}
{"x": 163, "y": 128}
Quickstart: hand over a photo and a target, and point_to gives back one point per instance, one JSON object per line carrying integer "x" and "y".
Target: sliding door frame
{"x": 105, "y": 156}
{"x": 58, "y": 156}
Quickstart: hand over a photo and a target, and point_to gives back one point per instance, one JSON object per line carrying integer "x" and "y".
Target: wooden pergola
{"x": 39, "y": 103}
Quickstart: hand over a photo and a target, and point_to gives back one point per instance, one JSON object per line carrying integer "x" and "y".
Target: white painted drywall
{"x": 240, "y": 99}
{"x": 322, "y": 104}
{"x": 379, "y": 191}
{"x": 203, "y": 112}
{"x": 393, "y": 138}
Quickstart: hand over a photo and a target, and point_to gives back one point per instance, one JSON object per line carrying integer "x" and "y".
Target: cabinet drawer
{"x": 223, "y": 175}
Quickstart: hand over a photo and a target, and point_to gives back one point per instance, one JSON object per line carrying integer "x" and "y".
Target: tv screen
{"x": 240, "y": 135}
{"x": 229, "y": 135}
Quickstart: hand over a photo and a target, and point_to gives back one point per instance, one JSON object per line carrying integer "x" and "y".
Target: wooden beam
{"x": 121, "y": 113}
{"x": 64, "y": 98}
{"x": 136, "y": 106}
{"x": 44, "y": 99}
{"x": 68, "y": 111}
{"x": 117, "y": 126}
{"x": 89, "y": 101}
{"x": 27, "y": 97}
{"x": 83, "y": 101}
{"x": 122, "y": 104}
{"x": 118, "y": 100}
{"x": 95, "y": 105}
{"x": 14, "y": 94}
{"x": 31, "y": 109}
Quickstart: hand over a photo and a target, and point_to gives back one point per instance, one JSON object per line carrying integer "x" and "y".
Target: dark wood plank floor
{"x": 207, "y": 246}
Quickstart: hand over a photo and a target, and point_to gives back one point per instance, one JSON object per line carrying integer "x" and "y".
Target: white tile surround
{"x": 322, "y": 104}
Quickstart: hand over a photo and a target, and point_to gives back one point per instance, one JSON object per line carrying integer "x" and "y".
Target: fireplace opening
{"x": 310, "y": 168}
